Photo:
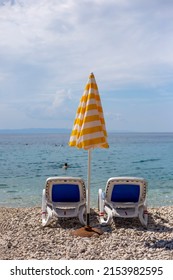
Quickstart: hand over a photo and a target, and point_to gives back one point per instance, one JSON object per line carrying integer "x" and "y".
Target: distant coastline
{"x": 68, "y": 131}
{"x": 34, "y": 130}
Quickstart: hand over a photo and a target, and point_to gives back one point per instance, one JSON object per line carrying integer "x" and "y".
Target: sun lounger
{"x": 124, "y": 197}
{"x": 63, "y": 197}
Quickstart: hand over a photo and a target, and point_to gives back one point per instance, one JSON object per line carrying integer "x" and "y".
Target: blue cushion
{"x": 65, "y": 193}
{"x": 125, "y": 193}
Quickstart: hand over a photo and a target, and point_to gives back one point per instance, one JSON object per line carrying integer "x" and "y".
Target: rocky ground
{"x": 23, "y": 237}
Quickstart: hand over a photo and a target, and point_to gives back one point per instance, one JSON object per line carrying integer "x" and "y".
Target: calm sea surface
{"x": 26, "y": 160}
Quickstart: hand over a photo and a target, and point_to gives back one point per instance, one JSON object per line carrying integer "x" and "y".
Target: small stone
{"x": 9, "y": 244}
{"x": 82, "y": 250}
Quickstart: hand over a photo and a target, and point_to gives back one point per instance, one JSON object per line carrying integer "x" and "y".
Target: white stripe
{"x": 78, "y": 128}
{"x": 91, "y": 90}
{"x": 88, "y": 125}
{"x": 90, "y": 136}
{"x": 92, "y": 80}
{"x": 89, "y": 102}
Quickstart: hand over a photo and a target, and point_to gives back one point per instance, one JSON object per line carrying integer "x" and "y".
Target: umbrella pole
{"x": 88, "y": 187}
{"x": 88, "y": 231}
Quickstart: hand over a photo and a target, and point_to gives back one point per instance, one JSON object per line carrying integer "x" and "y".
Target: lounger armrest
{"x": 143, "y": 216}
{"x": 46, "y": 211}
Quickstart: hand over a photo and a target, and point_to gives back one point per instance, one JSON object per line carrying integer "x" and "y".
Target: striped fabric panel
{"x": 89, "y": 129}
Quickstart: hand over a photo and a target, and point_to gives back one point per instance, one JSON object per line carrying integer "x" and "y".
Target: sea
{"x": 27, "y": 160}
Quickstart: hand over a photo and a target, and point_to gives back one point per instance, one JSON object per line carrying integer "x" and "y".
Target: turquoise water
{"x": 26, "y": 160}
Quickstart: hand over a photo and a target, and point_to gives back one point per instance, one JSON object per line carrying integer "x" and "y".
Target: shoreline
{"x": 22, "y": 237}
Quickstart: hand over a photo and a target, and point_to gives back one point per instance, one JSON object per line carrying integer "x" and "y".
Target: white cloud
{"x": 49, "y": 47}
{"x": 114, "y": 35}
{"x": 53, "y": 106}
{"x": 61, "y": 97}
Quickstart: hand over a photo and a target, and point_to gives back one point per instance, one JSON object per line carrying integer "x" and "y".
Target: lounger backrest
{"x": 65, "y": 189}
{"x": 125, "y": 193}
{"x": 65, "y": 193}
{"x": 126, "y": 189}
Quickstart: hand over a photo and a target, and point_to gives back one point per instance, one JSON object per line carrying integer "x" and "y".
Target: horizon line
{"x": 66, "y": 130}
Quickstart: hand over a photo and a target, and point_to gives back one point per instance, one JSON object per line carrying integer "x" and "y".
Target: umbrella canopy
{"x": 89, "y": 129}
{"x": 89, "y": 126}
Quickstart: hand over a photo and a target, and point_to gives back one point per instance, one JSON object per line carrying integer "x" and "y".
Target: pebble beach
{"x": 22, "y": 237}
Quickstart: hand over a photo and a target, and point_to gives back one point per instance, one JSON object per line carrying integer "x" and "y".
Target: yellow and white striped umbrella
{"x": 89, "y": 129}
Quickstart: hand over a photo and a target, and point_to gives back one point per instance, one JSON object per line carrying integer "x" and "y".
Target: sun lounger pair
{"x": 123, "y": 197}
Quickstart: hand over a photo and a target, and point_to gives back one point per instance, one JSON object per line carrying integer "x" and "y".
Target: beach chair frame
{"x": 111, "y": 205}
{"x": 76, "y": 208}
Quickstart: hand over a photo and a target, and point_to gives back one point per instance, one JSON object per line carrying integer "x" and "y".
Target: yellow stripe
{"x": 88, "y": 96}
{"x": 86, "y": 131}
{"x": 91, "y": 76}
{"x": 91, "y": 85}
{"x": 89, "y": 119}
{"x": 82, "y": 110}
{"x": 88, "y": 143}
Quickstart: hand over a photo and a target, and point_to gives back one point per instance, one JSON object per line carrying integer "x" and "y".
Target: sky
{"x": 48, "y": 48}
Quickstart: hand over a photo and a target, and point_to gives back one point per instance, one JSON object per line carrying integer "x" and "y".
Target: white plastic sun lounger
{"x": 63, "y": 197}
{"x": 124, "y": 197}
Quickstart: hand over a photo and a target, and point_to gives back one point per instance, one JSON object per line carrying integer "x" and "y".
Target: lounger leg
{"x": 103, "y": 209}
{"x": 81, "y": 215}
{"x": 108, "y": 220}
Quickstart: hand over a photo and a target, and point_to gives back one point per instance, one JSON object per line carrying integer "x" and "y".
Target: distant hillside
{"x": 34, "y": 130}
